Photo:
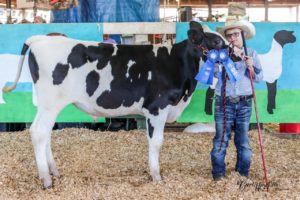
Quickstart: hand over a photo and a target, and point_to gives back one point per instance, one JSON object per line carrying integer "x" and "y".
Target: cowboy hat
{"x": 244, "y": 25}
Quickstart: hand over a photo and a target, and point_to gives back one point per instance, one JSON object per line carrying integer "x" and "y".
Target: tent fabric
{"x": 109, "y": 11}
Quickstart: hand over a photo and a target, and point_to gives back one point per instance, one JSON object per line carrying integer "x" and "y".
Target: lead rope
{"x": 257, "y": 120}
{"x": 223, "y": 96}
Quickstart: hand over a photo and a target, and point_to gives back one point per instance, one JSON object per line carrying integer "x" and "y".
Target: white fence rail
{"x": 140, "y": 28}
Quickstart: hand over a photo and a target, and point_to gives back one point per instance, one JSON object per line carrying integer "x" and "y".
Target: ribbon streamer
{"x": 206, "y": 72}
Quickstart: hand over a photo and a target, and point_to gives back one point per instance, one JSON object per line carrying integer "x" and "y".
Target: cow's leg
{"x": 34, "y": 98}
{"x": 50, "y": 159}
{"x": 40, "y": 131}
{"x": 155, "y": 127}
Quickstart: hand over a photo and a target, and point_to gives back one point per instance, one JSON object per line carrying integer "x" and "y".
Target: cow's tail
{"x": 21, "y": 61}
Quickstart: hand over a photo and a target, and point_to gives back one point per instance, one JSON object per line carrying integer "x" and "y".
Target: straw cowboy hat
{"x": 244, "y": 25}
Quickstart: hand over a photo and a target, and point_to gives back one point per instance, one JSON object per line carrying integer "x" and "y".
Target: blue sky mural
{"x": 284, "y": 62}
{"x": 289, "y": 78}
{"x": 13, "y": 36}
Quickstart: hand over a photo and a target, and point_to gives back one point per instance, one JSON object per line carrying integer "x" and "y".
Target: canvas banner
{"x": 278, "y": 95}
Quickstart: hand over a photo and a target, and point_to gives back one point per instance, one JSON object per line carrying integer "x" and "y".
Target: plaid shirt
{"x": 242, "y": 86}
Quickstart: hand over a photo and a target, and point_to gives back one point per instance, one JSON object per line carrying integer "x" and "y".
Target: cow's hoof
{"x": 54, "y": 171}
{"x": 47, "y": 182}
{"x": 156, "y": 178}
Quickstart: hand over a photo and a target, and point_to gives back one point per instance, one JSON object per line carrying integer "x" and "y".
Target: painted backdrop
{"x": 276, "y": 43}
{"x": 19, "y": 105}
{"x": 278, "y": 95}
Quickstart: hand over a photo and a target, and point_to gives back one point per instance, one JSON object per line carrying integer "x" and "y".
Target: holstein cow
{"x": 112, "y": 80}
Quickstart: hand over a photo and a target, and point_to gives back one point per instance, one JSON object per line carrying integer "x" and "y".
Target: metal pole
{"x": 178, "y": 10}
{"x": 165, "y": 2}
{"x": 297, "y": 13}
{"x": 266, "y": 10}
{"x": 34, "y": 9}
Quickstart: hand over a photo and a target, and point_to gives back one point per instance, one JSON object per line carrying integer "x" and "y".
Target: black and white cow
{"x": 112, "y": 80}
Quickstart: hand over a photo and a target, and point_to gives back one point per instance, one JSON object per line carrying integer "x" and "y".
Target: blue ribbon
{"x": 206, "y": 72}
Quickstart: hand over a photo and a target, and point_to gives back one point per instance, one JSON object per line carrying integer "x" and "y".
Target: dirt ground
{"x": 114, "y": 165}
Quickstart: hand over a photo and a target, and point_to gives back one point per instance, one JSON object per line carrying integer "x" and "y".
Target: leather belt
{"x": 239, "y": 98}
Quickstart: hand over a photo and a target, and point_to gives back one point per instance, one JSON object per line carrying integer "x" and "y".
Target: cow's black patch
{"x": 150, "y": 128}
{"x": 78, "y": 56}
{"x": 102, "y": 53}
{"x": 110, "y": 100}
{"x": 34, "y": 67}
{"x": 128, "y": 90}
{"x": 81, "y": 54}
{"x": 59, "y": 73}
{"x": 186, "y": 94}
{"x": 92, "y": 82}
{"x": 161, "y": 80}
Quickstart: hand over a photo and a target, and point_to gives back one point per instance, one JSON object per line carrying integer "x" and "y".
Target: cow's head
{"x": 213, "y": 41}
{"x": 195, "y": 40}
{"x": 208, "y": 40}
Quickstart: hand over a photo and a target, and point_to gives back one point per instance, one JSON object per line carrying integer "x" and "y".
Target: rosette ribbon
{"x": 206, "y": 72}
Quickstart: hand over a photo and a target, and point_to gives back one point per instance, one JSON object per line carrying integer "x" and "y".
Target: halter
{"x": 204, "y": 49}
{"x": 201, "y": 46}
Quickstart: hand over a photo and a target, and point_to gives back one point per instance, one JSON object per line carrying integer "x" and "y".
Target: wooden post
{"x": 8, "y": 11}
{"x": 209, "y": 2}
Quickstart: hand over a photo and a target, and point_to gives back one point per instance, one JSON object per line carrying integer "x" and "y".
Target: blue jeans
{"x": 237, "y": 117}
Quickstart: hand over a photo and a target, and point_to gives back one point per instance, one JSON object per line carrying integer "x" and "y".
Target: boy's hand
{"x": 249, "y": 63}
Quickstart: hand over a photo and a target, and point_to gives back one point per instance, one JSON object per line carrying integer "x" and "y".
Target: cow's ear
{"x": 196, "y": 26}
{"x": 192, "y": 34}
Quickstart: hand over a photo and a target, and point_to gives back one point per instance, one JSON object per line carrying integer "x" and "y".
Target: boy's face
{"x": 234, "y": 36}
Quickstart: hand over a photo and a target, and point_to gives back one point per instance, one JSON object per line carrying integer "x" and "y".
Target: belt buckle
{"x": 234, "y": 99}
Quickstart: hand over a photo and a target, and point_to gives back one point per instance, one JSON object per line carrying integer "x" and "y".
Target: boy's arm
{"x": 257, "y": 68}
